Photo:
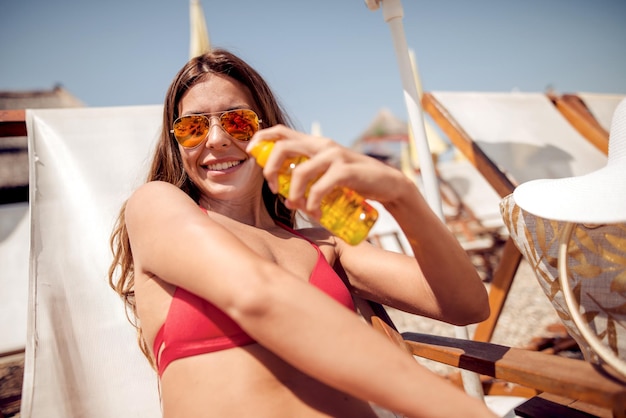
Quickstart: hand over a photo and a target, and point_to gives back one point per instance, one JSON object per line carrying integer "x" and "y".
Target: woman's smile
{"x": 223, "y": 166}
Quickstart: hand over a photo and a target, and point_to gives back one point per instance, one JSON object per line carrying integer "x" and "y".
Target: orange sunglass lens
{"x": 240, "y": 124}
{"x": 191, "y": 130}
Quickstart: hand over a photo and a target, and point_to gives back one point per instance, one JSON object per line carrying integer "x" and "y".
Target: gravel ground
{"x": 526, "y": 314}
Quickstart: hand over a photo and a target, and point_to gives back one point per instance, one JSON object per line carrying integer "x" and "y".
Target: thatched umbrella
{"x": 383, "y": 138}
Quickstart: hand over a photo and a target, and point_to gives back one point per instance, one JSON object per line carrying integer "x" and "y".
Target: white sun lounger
{"x": 82, "y": 359}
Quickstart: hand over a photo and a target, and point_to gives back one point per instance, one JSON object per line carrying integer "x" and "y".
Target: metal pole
{"x": 393, "y": 13}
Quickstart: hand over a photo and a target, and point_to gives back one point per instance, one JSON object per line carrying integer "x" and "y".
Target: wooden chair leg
{"x": 500, "y": 286}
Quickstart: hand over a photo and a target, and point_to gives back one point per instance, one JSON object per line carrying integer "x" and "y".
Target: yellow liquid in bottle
{"x": 345, "y": 213}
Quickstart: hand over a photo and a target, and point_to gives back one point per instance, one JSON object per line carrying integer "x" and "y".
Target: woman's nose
{"x": 217, "y": 137}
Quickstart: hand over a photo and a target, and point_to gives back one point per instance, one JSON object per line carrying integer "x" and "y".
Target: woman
{"x": 233, "y": 306}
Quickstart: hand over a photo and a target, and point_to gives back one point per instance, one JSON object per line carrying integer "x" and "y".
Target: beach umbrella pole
{"x": 393, "y": 14}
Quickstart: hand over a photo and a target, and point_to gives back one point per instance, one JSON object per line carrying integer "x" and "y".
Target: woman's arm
{"x": 174, "y": 240}
{"x": 442, "y": 284}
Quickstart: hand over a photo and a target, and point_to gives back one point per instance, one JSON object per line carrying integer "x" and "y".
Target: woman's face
{"x": 219, "y": 165}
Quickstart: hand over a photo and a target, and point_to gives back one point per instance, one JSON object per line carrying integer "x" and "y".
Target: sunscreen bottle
{"x": 345, "y": 213}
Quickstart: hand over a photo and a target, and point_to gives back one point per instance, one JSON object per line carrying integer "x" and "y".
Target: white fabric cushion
{"x": 82, "y": 357}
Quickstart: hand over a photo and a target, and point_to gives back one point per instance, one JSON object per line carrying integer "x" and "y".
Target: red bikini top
{"x": 195, "y": 326}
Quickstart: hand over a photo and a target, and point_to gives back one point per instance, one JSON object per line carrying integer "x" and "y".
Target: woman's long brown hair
{"x": 167, "y": 163}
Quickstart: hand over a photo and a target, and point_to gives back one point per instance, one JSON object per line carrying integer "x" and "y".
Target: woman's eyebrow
{"x": 199, "y": 112}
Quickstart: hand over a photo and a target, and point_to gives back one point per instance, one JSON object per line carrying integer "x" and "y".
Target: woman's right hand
{"x": 329, "y": 165}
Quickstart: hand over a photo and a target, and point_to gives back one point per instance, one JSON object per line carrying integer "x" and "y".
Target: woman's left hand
{"x": 329, "y": 165}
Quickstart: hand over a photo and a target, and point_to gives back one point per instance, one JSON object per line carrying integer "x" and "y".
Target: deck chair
{"x": 510, "y": 138}
{"x": 589, "y": 113}
{"x": 82, "y": 358}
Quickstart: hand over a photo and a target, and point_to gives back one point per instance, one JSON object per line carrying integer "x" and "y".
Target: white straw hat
{"x": 598, "y": 197}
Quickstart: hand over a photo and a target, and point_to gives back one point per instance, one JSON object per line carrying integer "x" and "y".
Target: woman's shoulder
{"x": 157, "y": 198}
{"x": 152, "y": 188}
{"x": 155, "y": 191}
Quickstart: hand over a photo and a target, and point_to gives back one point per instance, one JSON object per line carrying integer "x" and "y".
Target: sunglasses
{"x": 190, "y": 130}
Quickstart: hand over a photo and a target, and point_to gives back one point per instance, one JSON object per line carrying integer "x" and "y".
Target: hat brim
{"x": 596, "y": 198}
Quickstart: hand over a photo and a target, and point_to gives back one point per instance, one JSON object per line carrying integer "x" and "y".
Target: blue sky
{"x": 330, "y": 61}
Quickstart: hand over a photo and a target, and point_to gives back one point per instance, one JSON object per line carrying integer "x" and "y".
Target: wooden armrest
{"x": 376, "y": 315}
{"x": 572, "y": 378}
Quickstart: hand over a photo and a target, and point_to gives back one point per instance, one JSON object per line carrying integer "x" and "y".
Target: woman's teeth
{"x": 223, "y": 166}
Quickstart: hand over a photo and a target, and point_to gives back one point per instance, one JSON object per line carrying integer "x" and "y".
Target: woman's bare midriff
{"x": 250, "y": 381}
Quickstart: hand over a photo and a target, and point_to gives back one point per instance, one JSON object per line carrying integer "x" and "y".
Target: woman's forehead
{"x": 214, "y": 93}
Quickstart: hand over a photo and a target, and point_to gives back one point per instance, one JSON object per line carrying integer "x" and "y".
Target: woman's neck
{"x": 248, "y": 213}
